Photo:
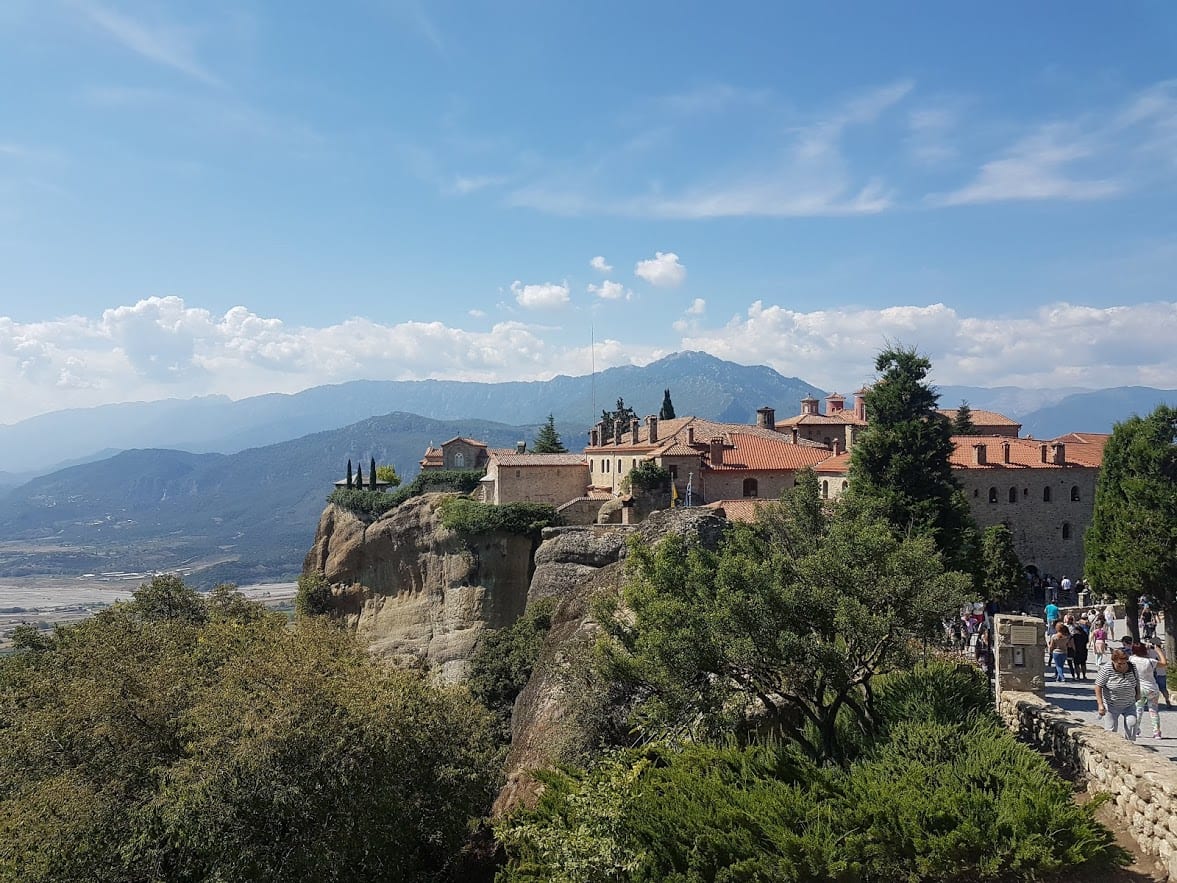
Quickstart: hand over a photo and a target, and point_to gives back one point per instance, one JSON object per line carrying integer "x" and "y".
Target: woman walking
{"x": 1060, "y": 642}
{"x": 1078, "y": 657}
{"x": 1099, "y": 642}
{"x": 1117, "y": 687}
{"x": 1150, "y": 691}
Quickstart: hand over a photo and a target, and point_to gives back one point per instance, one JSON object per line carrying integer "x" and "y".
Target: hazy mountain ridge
{"x": 699, "y": 384}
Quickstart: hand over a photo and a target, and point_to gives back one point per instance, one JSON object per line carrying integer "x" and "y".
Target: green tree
{"x": 314, "y": 594}
{"x": 359, "y": 477}
{"x": 349, "y": 484}
{"x": 789, "y": 621}
{"x": 1002, "y": 574}
{"x": 166, "y": 597}
{"x": 236, "y": 748}
{"x": 388, "y": 475}
{"x": 547, "y": 440}
{"x": 667, "y": 410}
{"x": 900, "y": 464}
{"x": 372, "y": 474}
{"x": 1131, "y": 546}
{"x": 962, "y": 423}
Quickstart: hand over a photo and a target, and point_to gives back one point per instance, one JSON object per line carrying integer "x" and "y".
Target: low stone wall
{"x": 1143, "y": 786}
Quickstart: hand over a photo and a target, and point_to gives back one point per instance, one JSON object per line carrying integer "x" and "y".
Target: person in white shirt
{"x": 1150, "y": 691}
{"x": 1109, "y": 617}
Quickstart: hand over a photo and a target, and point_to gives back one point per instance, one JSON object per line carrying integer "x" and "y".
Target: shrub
{"x": 314, "y": 594}
{"x": 938, "y": 691}
{"x": 645, "y": 477}
{"x": 503, "y": 662}
{"x": 371, "y": 504}
{"x": 468, "y": 516}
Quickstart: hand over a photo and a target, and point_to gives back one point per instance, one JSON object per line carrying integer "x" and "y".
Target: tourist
{"x": 1161, "y": 672}
{"x": 1150, "y": 691}
{"x": 1058, "y": 645}
{"x": 984, "y": 652}
{"x": 1078, "y": 655}
{"x": 1052, "y": 617}
{"x": 1148, "y": 624}
{"x": 1117, "y": 687}
{"x": 1066, "y": 587}
{"x": 1109, "y": 616}
{"x": 1099, "y": 642}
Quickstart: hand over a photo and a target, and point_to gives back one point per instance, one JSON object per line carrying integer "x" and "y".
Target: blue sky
{"x": 239, "y": 198}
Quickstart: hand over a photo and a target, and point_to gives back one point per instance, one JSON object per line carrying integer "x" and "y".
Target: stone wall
{"x": 580, "y": 511}
{"x": 1046, "y": 534}
{"x": 723, "y": 485}
{"x": 1142, "y": 785}
{"x": 538, "y": 484}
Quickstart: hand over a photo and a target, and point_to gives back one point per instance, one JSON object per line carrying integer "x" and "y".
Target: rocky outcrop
{"x": 575, "y": 565}
{"x": 418, "y": 592}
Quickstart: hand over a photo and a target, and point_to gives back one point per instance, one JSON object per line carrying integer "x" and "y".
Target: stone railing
{"x": 1142, "y": 785}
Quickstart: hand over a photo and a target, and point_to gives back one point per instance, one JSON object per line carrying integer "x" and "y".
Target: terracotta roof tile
{"x": 839, "y": 465}
{"x": 513, "y": 458}
{"x": 981, "y": 418}
{"x": 757, "y": 452}
{"x": 1024, "y": 453}
{"x": 738, "y": 510}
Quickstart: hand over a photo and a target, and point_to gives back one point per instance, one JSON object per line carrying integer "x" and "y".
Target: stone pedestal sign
{"x": 1020, "y": 650}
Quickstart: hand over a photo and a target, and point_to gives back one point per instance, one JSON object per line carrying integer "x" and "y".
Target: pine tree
{"x": 372, "y": 474}
{"x": 349, "y": 474}
{"x": 962, "y": 423}
{"x": 618, "y": 420}
{"x": 1131, "y": 545}
{"x": 547, "y": 440}
{"x": 900, "y": 464}
{"x": 667, "y": 411}
{"x": 1002, "y": 575}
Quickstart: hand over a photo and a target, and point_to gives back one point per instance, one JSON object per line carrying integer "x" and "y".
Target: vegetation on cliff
{"x": 183, "y": 738}
{"x": 371, "y": 504}
{"x": 470, "y": 517}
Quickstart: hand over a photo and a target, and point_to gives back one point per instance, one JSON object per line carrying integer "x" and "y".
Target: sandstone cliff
{"x": 419, "y": 593}
{"x": 575, "y": 564}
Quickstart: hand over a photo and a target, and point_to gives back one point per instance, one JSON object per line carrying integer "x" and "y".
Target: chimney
{"x": 835, "y": 403}
{"x": 634, "y": 425}
{"x": 690, "y": 435}
{"x": 981, "y": 454}
{"x": 716, "y": 452}
{"x": 766, "y": 418}
{"x": 837, "y": 447}
{"x": 1005, "y": 452}
{"x": 808, "y": 405}
{"x": 860, "y": 404}
{"x": 1058, "y": 454}
{"x": 595, "y": 437}
{"x": 652, "y": 428}
{"x": 795, "y": 435}
{"x": 520, "y": 447}
{"x": 1042, "y": 453}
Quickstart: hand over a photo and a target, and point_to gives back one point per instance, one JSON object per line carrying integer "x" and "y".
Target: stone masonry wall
{"x": 1143, "y": 786}
{"x": 546, "y": 484}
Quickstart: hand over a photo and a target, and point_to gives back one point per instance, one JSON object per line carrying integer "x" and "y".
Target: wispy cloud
{"x": 808, "y": 176}
{"x": 164, "y": 44}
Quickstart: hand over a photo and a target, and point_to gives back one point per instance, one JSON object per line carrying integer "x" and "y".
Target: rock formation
{"x": 418, "y": 592}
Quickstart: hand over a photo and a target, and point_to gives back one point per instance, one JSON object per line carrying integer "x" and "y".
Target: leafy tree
{"x": 166, "y": 597}
{"x": 349, "y": 484}
{"x": 790, "y": 620}
{"x": 1002, "y": 574}
{"x": 1131, "y": 545}
{"x": 962, "y": 423}
{"x": 900, "y": 464}
{"x": 547, "y": 440}
{"x": 618, "y": 420}
{"x": 667, "y": 410}
{"x": 314, "y": 594}
{"x": 139, "y": 748}
{"x": 388, "y": 475}
{"x": 372, "y": 474}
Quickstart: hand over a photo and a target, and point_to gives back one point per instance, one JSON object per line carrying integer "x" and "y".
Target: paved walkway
{"x": 1078, "y": 699}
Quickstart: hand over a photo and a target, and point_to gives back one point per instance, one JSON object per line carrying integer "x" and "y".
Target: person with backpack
{"x": 1117, "y": 688}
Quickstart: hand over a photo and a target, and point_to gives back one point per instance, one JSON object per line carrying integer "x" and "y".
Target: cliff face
{"x": 419, "y": 593}
{"x": 576, "y": 564}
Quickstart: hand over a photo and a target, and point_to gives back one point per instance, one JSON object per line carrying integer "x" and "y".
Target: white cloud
{"x": 1057, "y": 345}
{"x": 542, "y": 296}
{"x": 697, "y": 308}
{"x": 608, "y": 290}
{"x": 163, "y": 44}
{"x": 476, "y": 313}
{"x": 598, "y": 263}
{"x": 662, "y": 270}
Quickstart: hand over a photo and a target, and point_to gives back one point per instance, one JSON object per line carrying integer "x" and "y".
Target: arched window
{"x": 1066, "y": 530}
{"x": 992, "y": 495}
{"x": 1046, "y": 494}
{"x": 825, "y": 490}
{"x": 1074, "y": 493}
{"x": 845, "y": 484}
{"x": 459, "y": 460}
{"x": 1013, "y": 494}
{"x": 750, "y": 487}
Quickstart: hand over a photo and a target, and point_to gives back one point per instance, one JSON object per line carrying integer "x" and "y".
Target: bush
{"x": 645, "y": 477}
{"x": 938, "y": 691}
{"x": 314, "y": 594}
{"x": 503, "y": 662}
{"x": 370, "y": 505}
{"x": 470, "y": 517}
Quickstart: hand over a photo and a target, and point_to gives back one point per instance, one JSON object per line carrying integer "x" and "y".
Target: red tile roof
{"x": 514, "y": 458}
{"x": 738, "y": 510}
{"x": 1024, "y": 453}
{"x": 755, "y": 452}
{"x": 838, "y": 465}
{"x": 982, "y": 418}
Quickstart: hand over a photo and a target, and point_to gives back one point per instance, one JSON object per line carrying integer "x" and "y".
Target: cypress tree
{"x": 359, "y": 478}
{"x": 667, "y": 411}
{"x": 349, "y": 484}
{"x": 372, "y": 474}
